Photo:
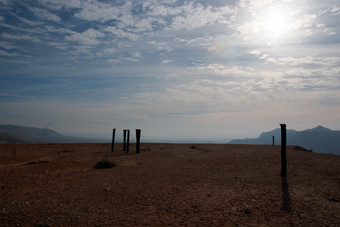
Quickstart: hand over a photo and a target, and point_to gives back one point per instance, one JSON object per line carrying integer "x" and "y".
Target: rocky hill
{"x": 318, "y": 139}
{"x": 13, "y": 134}
{"x": 6, "y": 138}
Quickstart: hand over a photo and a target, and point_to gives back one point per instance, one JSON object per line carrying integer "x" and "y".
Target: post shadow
{"x": 286, "y": 201}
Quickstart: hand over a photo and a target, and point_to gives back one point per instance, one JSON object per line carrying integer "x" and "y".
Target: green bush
{"x": 104, "y": 164}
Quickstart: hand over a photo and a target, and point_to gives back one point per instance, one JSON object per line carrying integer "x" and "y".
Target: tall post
{"x": 273, "y": 141}
{"x": 283, "y": 151}
{"x": 113, "y": 139}
{"x": 128, "y": 141}
{"x": 124, "y": 140}
{"x": 138, "y": 132}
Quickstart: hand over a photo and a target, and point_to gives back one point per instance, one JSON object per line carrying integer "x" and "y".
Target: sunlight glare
{"x": 275, "y": 24}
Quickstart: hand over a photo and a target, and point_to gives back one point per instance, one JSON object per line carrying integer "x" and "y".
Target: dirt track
{"x": 167, "y": 184}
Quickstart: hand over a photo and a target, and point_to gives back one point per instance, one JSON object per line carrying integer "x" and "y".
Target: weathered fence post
{"x": 273, "y": 141}
{"x": 113, "y": 139}
{"x": 124, "y": 140}
{"x": 283, "y": 151}
{"x": 138, "y": 132}
{"x": 128, "y": 141}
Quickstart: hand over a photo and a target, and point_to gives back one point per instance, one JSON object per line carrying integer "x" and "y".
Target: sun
{"x": 274, "y": 24}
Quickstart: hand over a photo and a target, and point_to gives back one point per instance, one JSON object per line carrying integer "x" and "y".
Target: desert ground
{"x": 167, "y": 185}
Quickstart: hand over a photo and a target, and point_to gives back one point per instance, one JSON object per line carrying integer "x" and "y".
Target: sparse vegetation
{"x": 193, "y": 147}
{"x": 104, "y": 164}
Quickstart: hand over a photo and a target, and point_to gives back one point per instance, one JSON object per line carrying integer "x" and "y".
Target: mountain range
{"x": 318, "y": 139}
{"x": 13, "y": 134}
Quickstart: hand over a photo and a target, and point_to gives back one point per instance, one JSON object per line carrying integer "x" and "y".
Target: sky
{"x": 178, "y": 70}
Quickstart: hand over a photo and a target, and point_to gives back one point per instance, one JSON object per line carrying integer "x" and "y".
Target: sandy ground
{"x": 167, "y": 184}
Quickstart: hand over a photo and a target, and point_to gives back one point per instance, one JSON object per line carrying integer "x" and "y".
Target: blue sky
{"x": 206, "y": 70}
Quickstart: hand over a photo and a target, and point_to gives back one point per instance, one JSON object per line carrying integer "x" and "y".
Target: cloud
{"x": 306, "y": 21}
{"x": 59, "y": 4}
{"x": 59, "y": 30}
{"x": 197, "y": 16}
{"x": 99, "y": 11}
{"x": 88, "y": 37}
{"x": 44, "y": 14}
{"x": 4, "y": 2}
{"x": 6, "y": 54}
{"x": 8, "y": 46}
{"x": 309, "y": 60}
{"x": 167, "y": 61}
{"x": 159, "y": 9}
{"x": 28, "y": 22}
{"x": 248, "y": 28}
{"x": 227, "y": 71}
{"x": 161, "y": 45}
{"x": 20, "y": 37}
{"x": 120, "y": 33}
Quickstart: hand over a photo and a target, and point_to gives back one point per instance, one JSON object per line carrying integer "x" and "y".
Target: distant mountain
{"x": 318, "y": 139}
{"x": 6, "y": 138}
{"x": 11, "y": 134}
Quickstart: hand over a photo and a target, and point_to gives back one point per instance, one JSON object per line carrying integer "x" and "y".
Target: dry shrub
{"x": 104, "y": 164}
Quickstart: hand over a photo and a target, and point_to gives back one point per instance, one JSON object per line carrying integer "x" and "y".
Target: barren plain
{"x": 167, "y": 185}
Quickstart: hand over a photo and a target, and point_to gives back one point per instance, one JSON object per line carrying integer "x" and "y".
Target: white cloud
{"x": 254, "y": 5}
{"x": 6, "y": 54}
{"x": 110, "y": 50}
{"x": 44, "y": 14}
{"x": 335, "y": 10}
{"x": 161, "y": 45}
{"x": 128, "y": 59}
{"x": 143, "y": 25}
{"x": 88, "y": 37}
{"x": 309, "y": 60}
{"x": 137, "y": 54}
{"x": 59, "y": 30}
{"x": 248, "y": 28}
{"x": 306, "y": 21}
{"x": 163, "y": 10}
{"x": 29, "y": 22}
{"x": 167, "y": 61}
{"x": 20, "y": 37}
{"x": 9, "y": 46}
{"x": 121, "y": 33}
{"x": 228, "y": 70}
{"x": 99, "y": 11}
{"x": 194, "y": 16}
{"x": 59, "y": 4}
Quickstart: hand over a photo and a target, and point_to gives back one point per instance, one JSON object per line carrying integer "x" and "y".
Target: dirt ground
{"x": 167, "y": 185}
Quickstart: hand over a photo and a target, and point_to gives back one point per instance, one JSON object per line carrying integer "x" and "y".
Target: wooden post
{"x": 113, "y": 139}
{"x": 128, "y": 141}
{"x": 273, "y": 141}
{"x": 124, "y": 141}
{"x": 138, "y": 132}
{"x": 283, "y": 151}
